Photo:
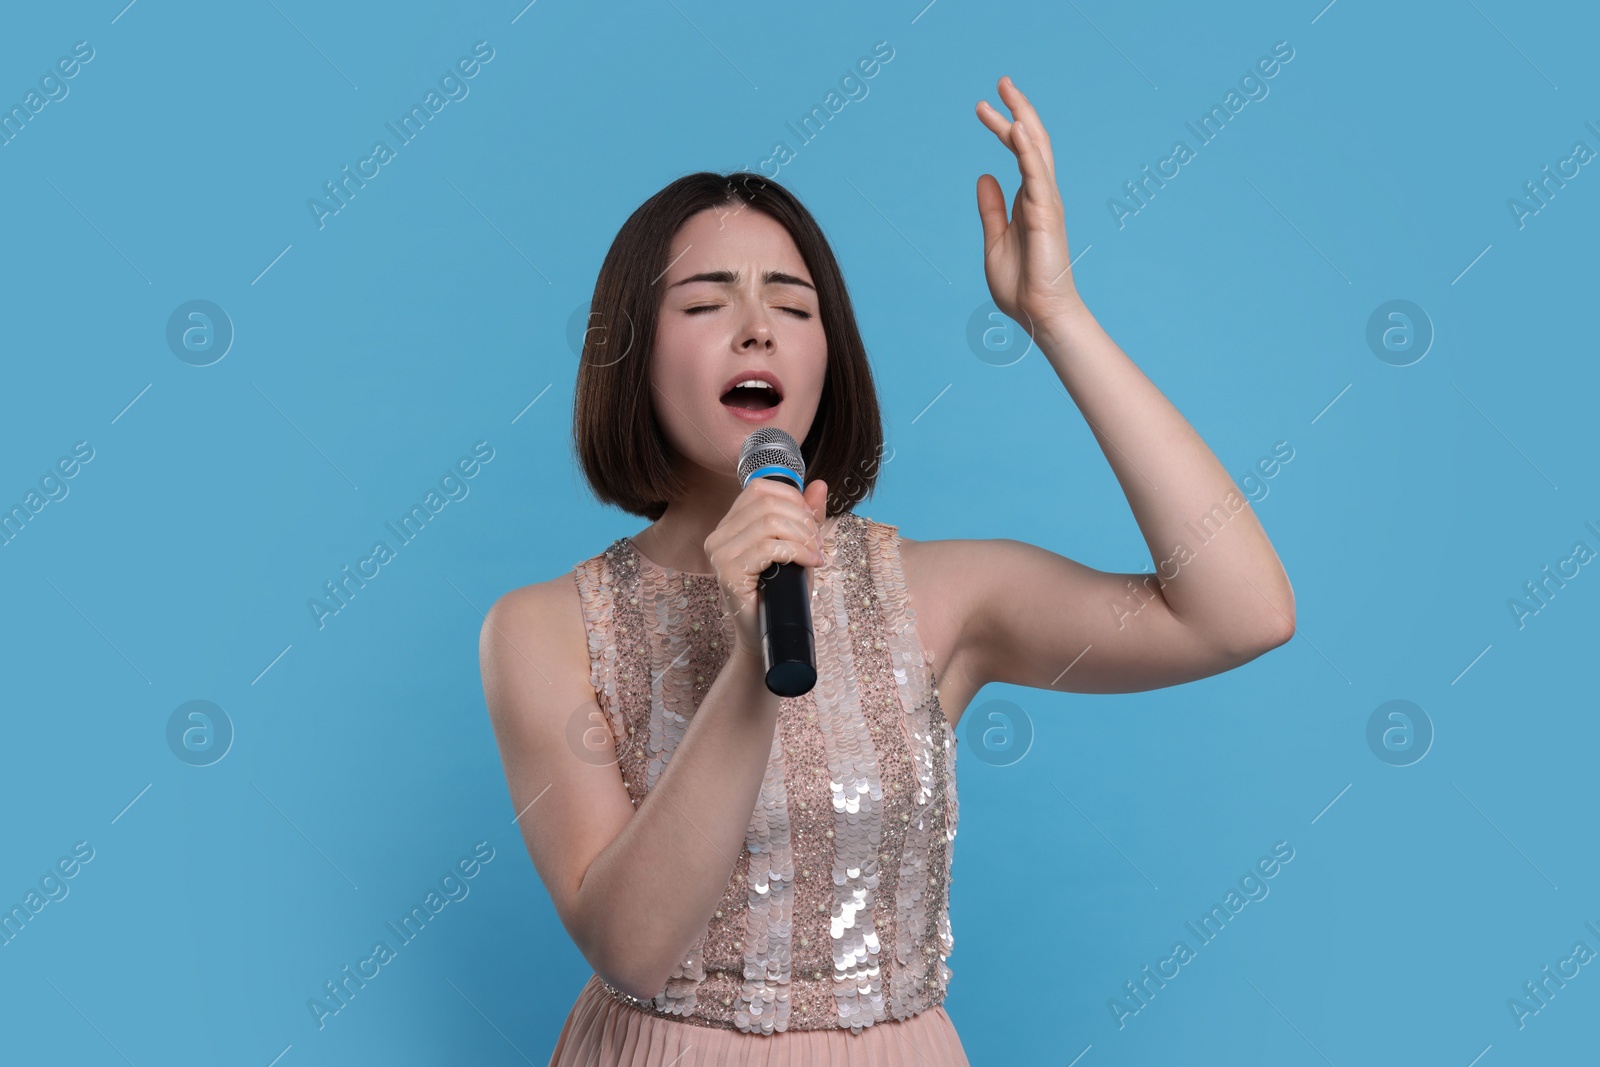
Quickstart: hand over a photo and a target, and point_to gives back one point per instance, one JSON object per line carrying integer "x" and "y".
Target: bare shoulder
{"x": 539, "y": 604}
{"x": 537, "y": 631}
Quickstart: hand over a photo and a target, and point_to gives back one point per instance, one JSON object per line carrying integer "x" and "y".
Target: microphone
{"x": 783, "y": 605}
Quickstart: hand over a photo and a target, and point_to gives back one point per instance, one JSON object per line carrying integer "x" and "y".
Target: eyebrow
{"x": 731, "y": 277}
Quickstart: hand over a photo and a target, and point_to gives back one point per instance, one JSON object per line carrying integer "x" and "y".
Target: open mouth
{"x": 752, "y": 397}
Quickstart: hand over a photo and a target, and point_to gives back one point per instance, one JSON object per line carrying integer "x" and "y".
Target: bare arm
{"x": 635, "y": 888}
{"x": 1220, "y": 596}
{"x": 1233, "y": 591}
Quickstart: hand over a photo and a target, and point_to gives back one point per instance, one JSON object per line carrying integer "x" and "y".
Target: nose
{"x": 756, "y": 330}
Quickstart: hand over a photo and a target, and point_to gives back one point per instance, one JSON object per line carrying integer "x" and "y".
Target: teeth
{"x": 757, "y": 382}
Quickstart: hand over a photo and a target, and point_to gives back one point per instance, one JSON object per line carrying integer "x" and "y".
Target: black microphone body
{"x": 783, "y": 608}
{"x": 783, "y": 604}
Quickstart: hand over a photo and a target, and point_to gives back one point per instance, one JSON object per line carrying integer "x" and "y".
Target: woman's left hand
{"x": 1026, "y": 262}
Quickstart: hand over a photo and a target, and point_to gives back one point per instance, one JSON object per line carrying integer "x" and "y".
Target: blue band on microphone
{"x": 780, "y": 471}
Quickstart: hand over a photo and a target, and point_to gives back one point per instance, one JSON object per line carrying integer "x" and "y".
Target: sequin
{"x": 859, "y": 794}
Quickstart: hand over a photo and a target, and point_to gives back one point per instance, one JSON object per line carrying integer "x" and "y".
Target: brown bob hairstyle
{"x": 616, "y": 436}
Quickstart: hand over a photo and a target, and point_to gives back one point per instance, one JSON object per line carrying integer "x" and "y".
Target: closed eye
{"x": 712, "y": 307}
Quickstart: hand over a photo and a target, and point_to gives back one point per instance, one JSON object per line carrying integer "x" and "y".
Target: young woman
{"x": 763, "y": 879}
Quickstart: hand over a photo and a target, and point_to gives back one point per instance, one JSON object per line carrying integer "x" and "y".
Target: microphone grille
{"x": 770, "y": 447}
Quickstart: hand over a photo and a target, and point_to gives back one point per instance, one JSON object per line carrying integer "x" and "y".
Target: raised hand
{"x": 1026, "y": 260}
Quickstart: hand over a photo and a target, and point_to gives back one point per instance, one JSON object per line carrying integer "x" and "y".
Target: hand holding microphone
{"x": 762, "y": 551}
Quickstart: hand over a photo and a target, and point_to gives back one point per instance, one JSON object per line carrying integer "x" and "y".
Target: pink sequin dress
{"x": 830, "y": 942}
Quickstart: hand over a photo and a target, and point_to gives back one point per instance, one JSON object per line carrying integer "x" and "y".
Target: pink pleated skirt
{"x": 601, "y": 1031}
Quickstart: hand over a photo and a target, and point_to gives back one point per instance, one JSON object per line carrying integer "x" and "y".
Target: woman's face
{"x": 736, "y": 302}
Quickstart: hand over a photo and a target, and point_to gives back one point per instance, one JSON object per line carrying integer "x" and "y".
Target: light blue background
{"x": 433, "y": 310}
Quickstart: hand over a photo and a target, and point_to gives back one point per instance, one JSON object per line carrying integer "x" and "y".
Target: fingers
{"x": 766, "y": 495}
{"x": 768, "y": 514}
{"x": 786, "y": 551}
{"x": 816, "y": 498}
{"x": 993, "y": 119}
{"x": 786, "y": 511}
{"x": 770, "y": 522}
{"x": 785, "y": 517}
{"x": 752, "y": 558}
{"x": 1036, "y": 176}
{"x": 1003, "y": 127}
{"x": 1023, "y": 109}
{"x": 991, "y": 210}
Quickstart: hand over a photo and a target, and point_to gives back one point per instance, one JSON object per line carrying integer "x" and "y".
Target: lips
{"x": 752, "y": 399}
{"x": 753, "y": 414}
{"x": 753, "y": 403}
{"x": 758, "y": 375}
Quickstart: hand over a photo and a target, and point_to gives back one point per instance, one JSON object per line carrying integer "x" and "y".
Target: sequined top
{"x": 836, "y": 914}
